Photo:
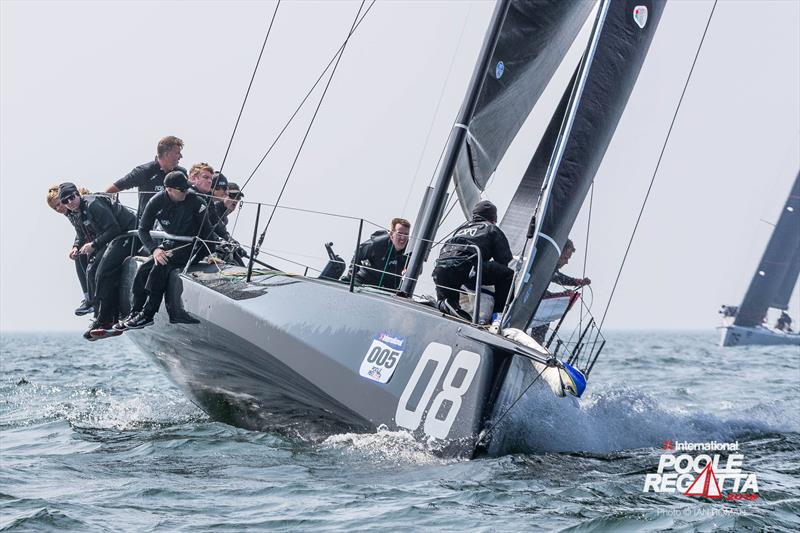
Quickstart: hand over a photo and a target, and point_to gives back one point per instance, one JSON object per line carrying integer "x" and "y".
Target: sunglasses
{"x": 69, "y": 198}
{"x": 221, "y": 188}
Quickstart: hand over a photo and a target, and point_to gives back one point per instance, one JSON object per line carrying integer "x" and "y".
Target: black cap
{"x": 486, "y": 210}
{"x": 234, "y": 191}
{"x": 67, "y": 189}
{"x": 177, "y": 180}
{"x": 219, "y": 181}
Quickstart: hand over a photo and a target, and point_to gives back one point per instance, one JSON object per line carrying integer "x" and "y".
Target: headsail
{"x": 517, "y": 217}
{"x": 619, "y": 43}
{"x": 776, "y": 275}
{"x": 534, "y": 38}
{"x": 782, "y": 296}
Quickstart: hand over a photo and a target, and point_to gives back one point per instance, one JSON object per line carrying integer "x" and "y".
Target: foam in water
{"x": 397, "y": 446}
{"x": 613, "y": 419}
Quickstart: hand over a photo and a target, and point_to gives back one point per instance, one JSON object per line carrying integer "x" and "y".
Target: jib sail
{"x": 619, "y": 43}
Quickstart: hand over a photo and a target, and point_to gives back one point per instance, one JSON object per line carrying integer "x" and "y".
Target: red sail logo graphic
{"x": 705, "y": 486}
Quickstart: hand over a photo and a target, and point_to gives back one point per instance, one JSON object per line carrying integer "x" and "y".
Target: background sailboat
{"x": 772, "y": 286}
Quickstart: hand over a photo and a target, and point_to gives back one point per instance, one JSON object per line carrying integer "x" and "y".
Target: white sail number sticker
{"x": 382, "y": 357}
{"x": 437, "y": 425}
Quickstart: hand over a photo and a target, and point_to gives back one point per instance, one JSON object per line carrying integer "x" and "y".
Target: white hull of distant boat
{"x": 759, "y": 335}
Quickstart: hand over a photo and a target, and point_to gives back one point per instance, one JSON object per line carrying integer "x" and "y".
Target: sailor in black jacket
{"x": 81, "y": 261}
{"x": 181, "y": 213}
{"x": 382, "y": 258}
{"x": 455, "y": 266}
{"x": 99, "y": 220}
{"x": 201, "y": 182}
{"x": 149, "y": 177}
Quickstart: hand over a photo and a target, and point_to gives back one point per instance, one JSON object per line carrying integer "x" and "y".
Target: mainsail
{"x": 619, "y": 43}
{"x": 776, "y": 275}
{"x": 533, "y": 40}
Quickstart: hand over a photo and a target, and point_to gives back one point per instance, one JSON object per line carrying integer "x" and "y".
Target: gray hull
{"x": 304, "y": 356}
{"x": 757, "y": 336}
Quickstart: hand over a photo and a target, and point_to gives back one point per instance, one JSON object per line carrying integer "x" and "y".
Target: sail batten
{"x": 776, "y": 275}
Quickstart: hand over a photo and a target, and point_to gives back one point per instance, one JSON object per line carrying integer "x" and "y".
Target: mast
{"x": 428, "y": 225}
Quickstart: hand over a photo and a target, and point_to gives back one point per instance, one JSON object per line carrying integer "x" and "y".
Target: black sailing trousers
{"x": 151, "y": 280}
{"x": 92, "y": 266}
{"x": 107, "y": 276}
{"x": 81, "y": 263}
{"x": 449, "y": 280}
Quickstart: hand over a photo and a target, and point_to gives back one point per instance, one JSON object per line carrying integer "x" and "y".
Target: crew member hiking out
{"x": 102, "y": 224}
{"x": 456, "y": 265}
{"x": 81, "y": 261}
{"x": 228, "y": 197}
{"x": 201, "y": 182}
{"x": 149, "y": 177}
{"x": 181, "y": 213}
{"x": 381, "y": 258}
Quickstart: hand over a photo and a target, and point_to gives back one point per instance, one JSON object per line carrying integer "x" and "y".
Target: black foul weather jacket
{"x": 99, "y": 219}
{"x": 184, "y": 218}
{"x": 486, "y": 236}
{"x": 148, "y": 179}
{"x": 385, "y": 263}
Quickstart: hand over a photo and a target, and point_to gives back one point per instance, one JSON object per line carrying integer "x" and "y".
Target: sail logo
{"x": 640, "y": 16}
{"x": 707, "y": 475}
{"x": 499, "y": 69}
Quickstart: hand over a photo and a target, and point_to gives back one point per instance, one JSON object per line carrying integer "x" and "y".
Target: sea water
{"x": 95, "y": 438}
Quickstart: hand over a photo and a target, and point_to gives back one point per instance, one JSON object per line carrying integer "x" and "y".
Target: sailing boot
{"x": 182, "y": 317}
{"x": 92, "y": 327}
{"x": 139, "y": 321}
{"x": 453, "y": 310}
{"x": 84, "y": 308}
{"x": 104, "y": 331}
{"x": 120, "y": 326}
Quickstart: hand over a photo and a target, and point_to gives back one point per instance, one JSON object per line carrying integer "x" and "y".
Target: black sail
{"x": 775, "y": 271}
{"x": 534, "y": 38}
{"x": 517, "y": 217}
{"x": 618, "y": 46}
{"x": 783, "y": 294}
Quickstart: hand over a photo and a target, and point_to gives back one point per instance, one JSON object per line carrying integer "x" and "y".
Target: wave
{"x": 622, "y": 418}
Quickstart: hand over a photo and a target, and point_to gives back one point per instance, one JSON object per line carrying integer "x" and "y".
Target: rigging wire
{"x": 308, "y": 130}
{"x": 436, "y": 110}
{"x": 249, "y": 86}
{"x": 658, "y": 164}
{"x": 210, "y": 205}
{"x": 510, "y": 407}
{"x": 308, "y": 94}
{"x": 586, "y": 246}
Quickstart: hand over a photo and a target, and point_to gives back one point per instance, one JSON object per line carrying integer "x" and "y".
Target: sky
{"x": 88, "y": 88}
